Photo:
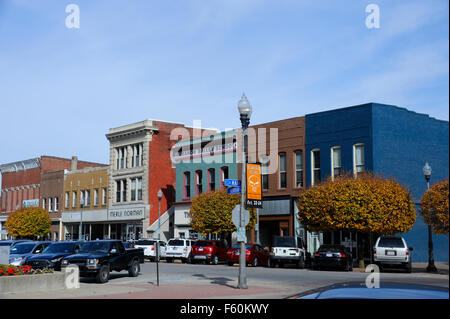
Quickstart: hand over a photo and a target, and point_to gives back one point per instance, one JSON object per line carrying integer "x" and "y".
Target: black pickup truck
{"x": 98, "y": 258}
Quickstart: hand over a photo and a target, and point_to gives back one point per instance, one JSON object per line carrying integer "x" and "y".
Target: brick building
{"x": 21, "y": 184}
{"x": 140, "y": 165}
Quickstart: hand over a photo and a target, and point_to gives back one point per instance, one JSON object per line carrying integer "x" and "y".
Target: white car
{"x": 392, "y": 251}
{"x": 288, "y": 250}
{"x": 149, "y": 246}
{"x": 179, "y": 248}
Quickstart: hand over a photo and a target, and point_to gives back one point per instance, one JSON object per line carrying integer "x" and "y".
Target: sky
{"x": 61, "y": 88}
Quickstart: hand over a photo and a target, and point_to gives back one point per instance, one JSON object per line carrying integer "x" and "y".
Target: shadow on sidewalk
{"x": 223, "y": 281}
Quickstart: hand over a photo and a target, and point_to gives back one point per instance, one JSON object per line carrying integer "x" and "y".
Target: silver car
{"x": 392, "y": 251}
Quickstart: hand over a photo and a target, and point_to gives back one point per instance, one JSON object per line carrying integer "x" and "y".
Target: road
{"x": 179, "y": 281}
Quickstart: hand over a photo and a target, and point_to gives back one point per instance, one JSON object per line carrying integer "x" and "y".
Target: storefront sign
{"x": 126, "y": 214}
{"x": 30, "y": 203}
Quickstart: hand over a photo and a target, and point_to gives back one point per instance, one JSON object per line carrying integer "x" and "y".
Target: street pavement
{"x": 186, "y": 281}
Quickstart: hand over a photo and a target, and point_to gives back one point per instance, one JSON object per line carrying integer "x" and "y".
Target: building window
{"x": 121, "y": 157}
{"x": 265, "y": 172}
{"x": 136, "y": 159}
{"x": 50, "y": 209}
{"x": 298, "y": 169}
{"x": 223, "y": 176}
{"x": 74, "y": 199}
{"x": 133, "y": 189}
{"x": 118, "y": 191}
{"x": 315, "y": 165}
{"x": 87, "y": 198}
{"x": 66, "y": 200}
{"x": 44, "y": 203}
{"x": 212, "y": 179}
{"x": 282, "y": 159}
{"x": 56, "y": 203}
{"x": 358, "y": 159}
{"x": 187, "y": 184}
{"x": 104, "y": 196}
{"x": 199, "y": 182}
{"x": 139, "y": 188}
{"x": 96, "y": 197}
{"x": 336, "y": 168}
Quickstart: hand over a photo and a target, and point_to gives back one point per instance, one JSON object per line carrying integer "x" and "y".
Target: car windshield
{"x": 204, "y": 243}
{"x": 331, "y": 248}
{"x": 284, "y": 241}
{"x": 238, "y": 246}
{"x": 59, "y": 248}
{"x": 95, "y": 246}
{"x": 394, "y": 242}
{"x": 176, "y": 242}
{"x": 22, "y": 249}
{"x": 145, "y": 242}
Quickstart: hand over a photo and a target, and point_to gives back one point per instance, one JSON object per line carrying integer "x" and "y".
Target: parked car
{"x": 149, "y": 246}
{"x": 21, "y": 251}
{"x": 11, "y": 243}
{"x": 392, "y": 251}
{"x": 179, "y": 248}
{"x": 386, "y": 290}
{"x": 254, "y": 254}
{"x": 52, "y": 256}
{"x": 209, "y": 251}
{"x": 336, "y": 256}
{"x": 98, "y": 258}
{"x": 288, "y": 250}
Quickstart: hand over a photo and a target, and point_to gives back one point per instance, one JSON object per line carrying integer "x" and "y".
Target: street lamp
{"x": 80, "y": 235}
{"x": 431, "y": 267}
{"x": 245, "y": 111}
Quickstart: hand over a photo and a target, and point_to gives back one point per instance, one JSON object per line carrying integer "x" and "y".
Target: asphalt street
{"x": 179, "y": 281}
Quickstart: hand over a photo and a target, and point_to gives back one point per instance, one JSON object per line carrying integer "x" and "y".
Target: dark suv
{"x": 209, "y": 251}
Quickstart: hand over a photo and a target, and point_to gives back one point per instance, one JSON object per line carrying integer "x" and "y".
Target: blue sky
{"x": 62, "y": 89}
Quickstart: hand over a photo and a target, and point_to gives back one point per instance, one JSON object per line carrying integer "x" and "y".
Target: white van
{"x": 179, "y": 248}
{"x": 392, "y": 251}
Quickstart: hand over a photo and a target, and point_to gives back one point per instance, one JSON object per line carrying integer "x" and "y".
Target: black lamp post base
{"x": 431, "y": 268}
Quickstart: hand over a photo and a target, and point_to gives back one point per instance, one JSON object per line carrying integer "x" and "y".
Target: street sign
{"x": 234, "y": 190}
{"x": 241, "y": 235}
{"x": 235, "y": 216}
{"x": 254, "y": 194}
{"x": 232, "y": 182}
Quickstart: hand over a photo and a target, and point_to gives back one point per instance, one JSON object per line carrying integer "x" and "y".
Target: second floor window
{"x": 336, "y": 161}
{"x": 104, "y": 196}
{"x": 315, "y": 165}
{"x": 212, "y": 179}
{"x": 121, "y": 190}
{"x": 56, "y": 203}
{"x": 358, "y": 159}
{"x": 298, "y": 169}
{"x": 66, "y": 200}
{"x": 96, "y": 197}
{"x": 199, "y": 182}
{"x": 187, "y": 185}
{"x": 136, "y": 189}
{"x": 282, "y": 158}
{"x": 74, "y": 199}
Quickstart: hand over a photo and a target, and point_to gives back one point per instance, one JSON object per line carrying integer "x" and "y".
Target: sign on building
{"x": 254, "y": 189}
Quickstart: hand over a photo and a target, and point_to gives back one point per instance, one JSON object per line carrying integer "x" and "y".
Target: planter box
{"x": 32, "y": 283}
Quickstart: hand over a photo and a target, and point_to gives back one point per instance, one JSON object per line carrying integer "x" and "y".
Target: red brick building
{"x": 21, "y": 184}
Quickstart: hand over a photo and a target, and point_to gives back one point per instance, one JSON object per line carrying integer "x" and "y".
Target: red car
{"x": 208, "y": 251}
{"x": 254, "y": 254}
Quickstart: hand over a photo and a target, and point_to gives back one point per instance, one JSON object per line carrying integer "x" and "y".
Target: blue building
{"x": 384, "y": 139}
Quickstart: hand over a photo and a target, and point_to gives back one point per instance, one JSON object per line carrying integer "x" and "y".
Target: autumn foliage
{"x": 369, "y": 204}
{"x": 435, "y": 207}
{"x": 29, "y": 222}
{"x": 211, "y": 213}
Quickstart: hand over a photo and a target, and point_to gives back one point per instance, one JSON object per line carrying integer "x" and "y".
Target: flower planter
{"x": 32, "y": 283}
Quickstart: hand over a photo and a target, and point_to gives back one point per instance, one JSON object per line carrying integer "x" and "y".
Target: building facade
{"x": 51, "y": 195}
{"x": 385, "y": 139}
{"x": 21, "y": 185}
{"x": 85, "y": 206}
{"x": 202, "y": 165}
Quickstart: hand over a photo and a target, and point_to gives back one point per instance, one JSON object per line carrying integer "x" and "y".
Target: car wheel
{"x": 103, "y": 275}
{"x": 134, "y": 269}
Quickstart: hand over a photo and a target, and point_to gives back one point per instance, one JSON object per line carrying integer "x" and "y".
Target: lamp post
{"x": 431, "y": 267}
{"x": 245, "y": 111}
{"x": 160, "y": 195}
{"x": 80, "y": 235}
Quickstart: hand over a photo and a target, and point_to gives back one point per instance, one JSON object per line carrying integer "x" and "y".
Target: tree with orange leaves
{"x": 435, "y": 207}
{"x": 29, "y": 222}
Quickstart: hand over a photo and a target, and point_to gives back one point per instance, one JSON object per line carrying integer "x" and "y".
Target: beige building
{"x": 85, "y": 204}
